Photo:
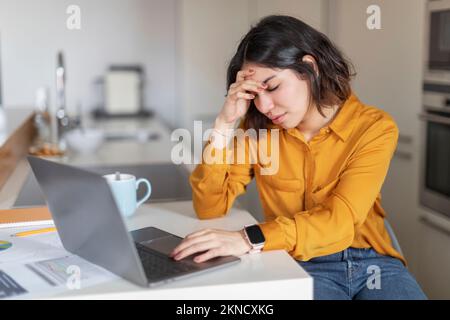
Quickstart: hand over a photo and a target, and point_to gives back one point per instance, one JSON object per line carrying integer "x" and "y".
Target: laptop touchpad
{"x": 164, "y": 245}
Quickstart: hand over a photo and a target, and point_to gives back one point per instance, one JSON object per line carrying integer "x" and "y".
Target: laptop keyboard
{"x": 157, "y": 265}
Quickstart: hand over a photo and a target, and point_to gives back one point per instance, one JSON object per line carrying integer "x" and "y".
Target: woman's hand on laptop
{"x": 212, "y": 243}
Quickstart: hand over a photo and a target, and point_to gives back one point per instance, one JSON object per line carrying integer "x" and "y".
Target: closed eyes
{"x": 268, "y": 90}
{"x": 273, "y": 89}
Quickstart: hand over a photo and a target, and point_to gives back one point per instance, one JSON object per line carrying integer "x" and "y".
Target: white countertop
{"x": 269, "y": 275}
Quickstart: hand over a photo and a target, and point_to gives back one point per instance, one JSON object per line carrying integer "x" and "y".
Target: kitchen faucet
{"x": 62, "y": 119}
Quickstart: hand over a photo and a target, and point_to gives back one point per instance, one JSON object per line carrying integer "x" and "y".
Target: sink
{"x": 170, "y": 182}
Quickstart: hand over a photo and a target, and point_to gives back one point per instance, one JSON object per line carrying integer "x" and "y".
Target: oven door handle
{"x": 434, "y": 118}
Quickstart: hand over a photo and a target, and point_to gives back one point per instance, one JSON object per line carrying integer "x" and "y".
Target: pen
{"x": 33, "y": 232}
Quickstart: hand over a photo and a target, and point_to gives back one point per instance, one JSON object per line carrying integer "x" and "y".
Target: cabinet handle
{"x": 434, "y": 225}
{"x": 403, "y": 155}
{"x": 434, "y": 118}
{"x": 405, "y": 139}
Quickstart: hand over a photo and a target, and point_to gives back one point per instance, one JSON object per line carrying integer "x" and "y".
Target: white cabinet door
{"x": 434, "y": 261}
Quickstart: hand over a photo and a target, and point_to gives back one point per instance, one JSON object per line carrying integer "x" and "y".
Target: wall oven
{"x": 435, "y": 159}
{"x": 437, "y": 46}
{"x": 435, "y": 176}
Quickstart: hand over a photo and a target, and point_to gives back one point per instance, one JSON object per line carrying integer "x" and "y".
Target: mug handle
{"x": 149, "y": 190}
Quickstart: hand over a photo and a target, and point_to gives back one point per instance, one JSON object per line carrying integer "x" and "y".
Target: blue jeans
{"x": 361, "y": 274}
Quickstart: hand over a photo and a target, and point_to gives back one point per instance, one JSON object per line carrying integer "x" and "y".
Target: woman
{"x": 323, "y": 205}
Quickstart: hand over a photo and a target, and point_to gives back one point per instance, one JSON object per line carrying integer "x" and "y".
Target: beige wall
{"x": 207, "y": 34}
{"x": 313, "y": 12}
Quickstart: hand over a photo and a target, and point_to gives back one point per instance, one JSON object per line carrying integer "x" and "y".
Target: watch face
{"x": 255, "y": 234}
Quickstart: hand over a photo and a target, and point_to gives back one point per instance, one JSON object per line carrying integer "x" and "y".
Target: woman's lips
{"x": 279, "y": 119}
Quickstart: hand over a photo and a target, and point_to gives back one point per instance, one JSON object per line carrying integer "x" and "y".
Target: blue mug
{"x": 124, "y": 188}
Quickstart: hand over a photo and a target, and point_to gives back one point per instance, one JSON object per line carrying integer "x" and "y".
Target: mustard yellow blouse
{"x": 325, "y": 195}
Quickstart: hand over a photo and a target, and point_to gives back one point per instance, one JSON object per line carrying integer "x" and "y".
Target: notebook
{"x": 23, "y": 217}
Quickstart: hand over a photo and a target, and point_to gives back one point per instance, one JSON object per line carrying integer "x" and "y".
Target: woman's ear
{"x": 310, "y": 59}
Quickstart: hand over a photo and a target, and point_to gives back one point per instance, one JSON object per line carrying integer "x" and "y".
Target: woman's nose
{"x": 264, "y": 103}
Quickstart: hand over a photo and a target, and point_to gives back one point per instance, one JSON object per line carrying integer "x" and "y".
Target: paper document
{"x": 43, "y": 279}
{"x": 9, "y": 287}
{"x": 38, "y": 266}
{"x": 32, "y": 248}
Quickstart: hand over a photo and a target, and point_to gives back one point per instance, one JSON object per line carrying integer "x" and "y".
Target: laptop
{"x": 90, "y": 225}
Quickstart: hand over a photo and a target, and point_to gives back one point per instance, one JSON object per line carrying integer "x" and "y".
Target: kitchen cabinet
{"x": 434, "y": 261}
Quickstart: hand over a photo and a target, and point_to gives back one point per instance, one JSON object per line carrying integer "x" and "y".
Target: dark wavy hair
{"x": 281, "y": 42}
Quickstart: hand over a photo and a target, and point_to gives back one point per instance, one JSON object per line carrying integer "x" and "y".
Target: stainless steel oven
{"x": 438, "y": 42}
{"x": 435, "y": 175}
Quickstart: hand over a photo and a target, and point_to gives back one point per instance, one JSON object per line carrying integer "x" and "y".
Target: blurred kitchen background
{"x": 173, "y": 54}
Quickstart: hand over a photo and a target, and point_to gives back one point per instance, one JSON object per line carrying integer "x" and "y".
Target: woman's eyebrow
{"x": 271, "y": 77}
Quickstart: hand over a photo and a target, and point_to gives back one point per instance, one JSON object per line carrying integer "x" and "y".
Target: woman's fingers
{"x": 212, "y": 244}
{"x": 192, "y": 239}
{"x": 240, "y": 76}
{"x": 246, "y": 91}
{"x": 246, "y": 96}
{"x": 239, "y": 95}
{"x": 237, "y": 84}
{"x": 195, "y": 248}
{"x": 246, "y": 86}
{"x": 208, "y": 255}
